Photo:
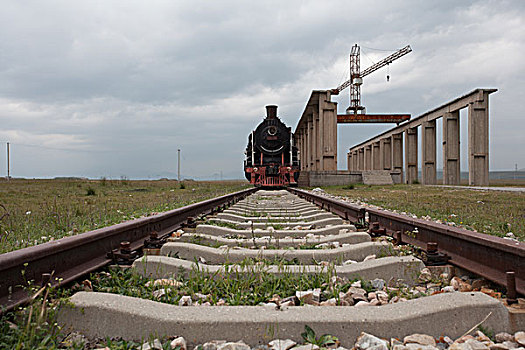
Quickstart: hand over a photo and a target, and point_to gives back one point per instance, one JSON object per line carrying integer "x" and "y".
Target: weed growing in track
{"x": 36, "y": 326}
{"x": 491, "y": 212}
{"x": 235, "y": 287}
{"x": 38, "y": 211}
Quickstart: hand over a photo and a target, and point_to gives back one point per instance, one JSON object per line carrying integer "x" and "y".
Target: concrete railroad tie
{"x": 276, "y": 218}
{"x": 298, "y": 212}
{"x": 404, "y": 268}
{"x": 110, "y": 315}
{"x": 258, "y": 232}
{"x": 202, "y": 238}
{"x": 191, "y": 252}
{"x": 317, "y": 223}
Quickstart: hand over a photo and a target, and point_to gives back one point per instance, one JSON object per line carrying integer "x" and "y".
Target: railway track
{"x": 65, "y": 260}
{"x": 496, "y": 259}
{"x": 295, "y": 236}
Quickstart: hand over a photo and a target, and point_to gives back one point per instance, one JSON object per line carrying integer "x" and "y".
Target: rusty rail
{"x": 347, "y": 211}
{"x": 488, "y": 256}
{"x": 71, "y": 257}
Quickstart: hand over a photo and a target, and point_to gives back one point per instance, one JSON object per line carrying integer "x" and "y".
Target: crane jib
{"x": 385, "y": 61}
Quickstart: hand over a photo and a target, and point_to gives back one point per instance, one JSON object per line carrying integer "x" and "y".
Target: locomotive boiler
{"x": 271, "y": 158}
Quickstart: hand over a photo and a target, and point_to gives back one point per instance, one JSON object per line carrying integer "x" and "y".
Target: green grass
{"x": 491, "y": 212}
{"x": 234, "y": 287}
{"x": 223, "y": 224}
{"x": 37, "y": 211}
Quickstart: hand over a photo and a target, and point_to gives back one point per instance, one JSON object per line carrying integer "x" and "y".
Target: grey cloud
{"x": 112, "y": 89}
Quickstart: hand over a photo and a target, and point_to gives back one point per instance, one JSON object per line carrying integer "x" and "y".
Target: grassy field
{"x": 492, "y": 212}
{"x": 36, "y": 211}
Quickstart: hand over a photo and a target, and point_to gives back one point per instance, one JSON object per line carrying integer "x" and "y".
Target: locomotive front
{"x": 271, "y": 158}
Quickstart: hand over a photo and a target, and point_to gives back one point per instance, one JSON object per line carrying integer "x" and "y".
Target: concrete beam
{"x": 477, "y": 95}
{"x": 429, "y": 152}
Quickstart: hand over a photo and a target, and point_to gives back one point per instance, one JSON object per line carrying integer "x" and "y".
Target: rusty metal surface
{"x": 347, "y": 211}
{"x": 488, "y": 256}
{"x": 71, "y": 257}
{"x": 372, "y": 118}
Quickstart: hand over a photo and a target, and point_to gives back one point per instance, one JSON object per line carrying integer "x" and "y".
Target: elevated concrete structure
{"x": 316, "y": 133}
{"x": 388, "y": 146}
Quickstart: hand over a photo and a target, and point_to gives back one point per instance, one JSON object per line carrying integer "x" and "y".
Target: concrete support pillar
{"x": 327, "y": 131}
{"x": 355, "y": 160}
{"x": 349, "y": 161}
{"x": 368, "y": 157}
{"x": 385, "y": 151}
{"x": 315, "y": 139}
{"x": 303, "y": 149}
{"x": 397, "y": 153}
{"x": 478, "y": 142}
{"x": 361, "y": 159}
{"x": 376, "y": 156}
{"x": 451, "y": 149}
{"x": 411, "y": 155}
{"x": 311, "y": 138}
{"x": 428, "y": 143}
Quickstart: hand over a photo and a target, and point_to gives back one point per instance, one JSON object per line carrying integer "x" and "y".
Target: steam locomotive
{"x": 271, "y": 158}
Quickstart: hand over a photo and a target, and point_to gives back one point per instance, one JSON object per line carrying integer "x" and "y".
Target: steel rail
{"x": 69, "y": 258}
{"x": 488, "y": 256}
{"x": 347, "y": 211}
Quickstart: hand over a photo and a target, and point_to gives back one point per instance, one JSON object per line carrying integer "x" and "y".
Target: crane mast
{"x": 356, "y": 76}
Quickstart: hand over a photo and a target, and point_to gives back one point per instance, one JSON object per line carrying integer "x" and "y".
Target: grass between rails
{"x": 36, "y": 211}
{"x": 36, "y": 327}
{"x": 236, "y": 287}
{"x": 491, "y": 212}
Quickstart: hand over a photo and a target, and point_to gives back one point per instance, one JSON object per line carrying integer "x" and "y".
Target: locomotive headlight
{"x": 289, "y": 169}
{"x": 255, "y": 169}
{"x": 272, "y": 130}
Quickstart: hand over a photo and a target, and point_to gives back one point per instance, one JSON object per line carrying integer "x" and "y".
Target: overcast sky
{"x": 114, "y": 88}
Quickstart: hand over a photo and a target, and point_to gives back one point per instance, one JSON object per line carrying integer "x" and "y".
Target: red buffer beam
{"x": 372, "y": 118}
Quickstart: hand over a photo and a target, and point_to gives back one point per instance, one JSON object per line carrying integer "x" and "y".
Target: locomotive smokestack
{"x": 271, "y": 112}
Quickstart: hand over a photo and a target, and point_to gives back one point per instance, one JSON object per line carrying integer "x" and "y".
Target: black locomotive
{"x": 271, "y": 158}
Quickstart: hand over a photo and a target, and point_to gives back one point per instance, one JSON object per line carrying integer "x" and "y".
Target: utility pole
{"x": 8, "y": 162}
{"x": 178, "y": 164}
